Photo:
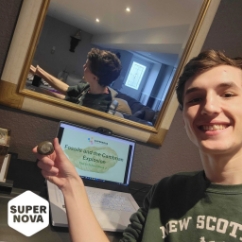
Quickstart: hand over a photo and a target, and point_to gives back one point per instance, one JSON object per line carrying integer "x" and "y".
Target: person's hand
{"x": 56, "y": 167}
{"x": 38, "y": 68}
{"x": 32, "y": 69}
{"x": 39, "y": 71}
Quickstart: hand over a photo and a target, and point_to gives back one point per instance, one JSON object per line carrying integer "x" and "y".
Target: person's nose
{"x": 211, "y": 105}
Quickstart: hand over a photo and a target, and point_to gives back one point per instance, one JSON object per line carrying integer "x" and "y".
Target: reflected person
{"x": 100, "y": 70}
{"x": 198, "y": 206}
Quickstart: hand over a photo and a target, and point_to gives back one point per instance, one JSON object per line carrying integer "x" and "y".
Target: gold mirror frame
{"x": 20, "y": 55}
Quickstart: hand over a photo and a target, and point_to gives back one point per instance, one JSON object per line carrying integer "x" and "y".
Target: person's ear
{"x": 95, "y": 78}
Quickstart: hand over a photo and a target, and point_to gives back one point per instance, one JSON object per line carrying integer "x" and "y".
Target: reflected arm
{"x": 53, "y": 81}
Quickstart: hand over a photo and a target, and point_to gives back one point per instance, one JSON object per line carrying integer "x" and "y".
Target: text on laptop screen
{"x": 97, "y": 156}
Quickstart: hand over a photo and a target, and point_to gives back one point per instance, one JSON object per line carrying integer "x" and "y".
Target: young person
{"x": 202, "y": 206}
{"x": 100, "y": 70}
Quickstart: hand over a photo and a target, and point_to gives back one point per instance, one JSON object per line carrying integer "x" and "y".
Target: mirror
{"x": 160, "y": 35}
{"x": 150, "y": 48}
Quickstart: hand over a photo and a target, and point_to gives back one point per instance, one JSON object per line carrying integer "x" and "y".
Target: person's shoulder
{"x": 80, "y": 87}
{"x": 181, "y": 179}
{"x": 187, "y": 174}
{"x": 175, "y": 186}
{"x": 182, "y": 176}
{"x": 83, "y": 85}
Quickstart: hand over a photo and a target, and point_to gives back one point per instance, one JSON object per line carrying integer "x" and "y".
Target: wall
{"x": 57, "y": 34}
{"x": 226, "y": 31}
{"x": 150, "y": 164}
{"x": 8, "y": 12}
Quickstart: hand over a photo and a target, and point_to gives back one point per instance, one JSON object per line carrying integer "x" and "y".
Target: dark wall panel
{"x": 9, "y": 10}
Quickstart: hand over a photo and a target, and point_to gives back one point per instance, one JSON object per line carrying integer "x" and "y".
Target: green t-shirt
{"x": 79, "y": 94}
{"x": 188, "y": 208}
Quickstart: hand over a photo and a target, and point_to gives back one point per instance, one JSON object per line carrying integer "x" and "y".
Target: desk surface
{"x": 26, "y": 176}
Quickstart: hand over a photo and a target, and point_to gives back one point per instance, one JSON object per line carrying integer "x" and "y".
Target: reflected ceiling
{"x": 168, "y": 22}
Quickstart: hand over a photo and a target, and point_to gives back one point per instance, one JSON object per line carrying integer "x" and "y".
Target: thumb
{"x": 58, "y": 149}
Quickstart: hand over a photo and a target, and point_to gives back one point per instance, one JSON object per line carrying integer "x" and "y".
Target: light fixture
{"x": 97, "y": 20}
{"x": 75, "y": 39}
{"x": 127, "y": 9}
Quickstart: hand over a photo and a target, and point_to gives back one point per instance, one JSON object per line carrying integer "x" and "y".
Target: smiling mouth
{"x": 213, "y": 127}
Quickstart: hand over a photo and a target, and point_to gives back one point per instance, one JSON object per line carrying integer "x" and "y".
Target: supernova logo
{"x": 28, "y": 213}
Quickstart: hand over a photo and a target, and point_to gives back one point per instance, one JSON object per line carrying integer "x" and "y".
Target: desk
{"x": 26, "y": 176}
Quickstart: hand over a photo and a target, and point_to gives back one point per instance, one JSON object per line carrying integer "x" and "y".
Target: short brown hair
{"x": 105, "y": 65}
{"x": 205, "y": 61}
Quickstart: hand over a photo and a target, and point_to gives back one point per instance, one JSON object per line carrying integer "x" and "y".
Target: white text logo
{"x": 28, "y": 213}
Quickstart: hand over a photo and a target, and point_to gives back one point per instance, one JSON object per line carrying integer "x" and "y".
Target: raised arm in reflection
{"x": 100, "y": 70}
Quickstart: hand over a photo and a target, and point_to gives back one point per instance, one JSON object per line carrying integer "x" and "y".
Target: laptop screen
{"x": 97, "y": 156}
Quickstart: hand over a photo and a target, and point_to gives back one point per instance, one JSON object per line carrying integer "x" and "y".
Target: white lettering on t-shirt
{"x": 184, "y": 223}
{"x": 203, "y": 222}
{"x": 164, "y": 231}
{"x": 222, "y": 225}
{"x": 172, "y": 226}
{"x": 200, "y": 222}
{"x": 210, "y": 222}
{"x": 235, "y": 227}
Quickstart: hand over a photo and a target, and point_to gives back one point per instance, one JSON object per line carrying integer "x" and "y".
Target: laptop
{"x": 103, "y": 159}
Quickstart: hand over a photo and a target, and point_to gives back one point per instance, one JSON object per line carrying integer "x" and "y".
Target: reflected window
{"x": 135, "y": 75}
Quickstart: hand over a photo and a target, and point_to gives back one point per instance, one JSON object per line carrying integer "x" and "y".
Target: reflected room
{"x": 149, "y": 49}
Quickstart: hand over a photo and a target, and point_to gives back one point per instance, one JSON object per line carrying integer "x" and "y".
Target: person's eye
{"x": 194, "y": 100}
{"x": 228, "y": 94}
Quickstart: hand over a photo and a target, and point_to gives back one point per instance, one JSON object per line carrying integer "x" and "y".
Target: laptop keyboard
{"x": 107, "y": 199}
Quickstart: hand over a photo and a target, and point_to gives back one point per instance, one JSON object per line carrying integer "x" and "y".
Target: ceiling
{"x": 157, "y": 27}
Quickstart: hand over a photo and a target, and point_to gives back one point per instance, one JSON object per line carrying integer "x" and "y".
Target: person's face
{"x": 88, "y": 75}
{"x": 212, "y": 110}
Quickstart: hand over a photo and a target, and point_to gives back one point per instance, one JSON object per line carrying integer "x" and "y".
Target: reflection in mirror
{"x": 149, "y": 37}
{"x": 100, "y": 70}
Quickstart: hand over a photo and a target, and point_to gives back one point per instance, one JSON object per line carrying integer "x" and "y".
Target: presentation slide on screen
{"x": 94, "y": 155}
